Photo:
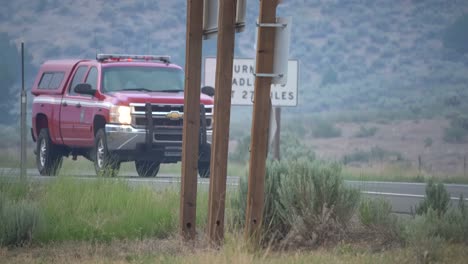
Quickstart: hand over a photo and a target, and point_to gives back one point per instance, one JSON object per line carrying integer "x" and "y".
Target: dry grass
{"x": 174, "y": 251}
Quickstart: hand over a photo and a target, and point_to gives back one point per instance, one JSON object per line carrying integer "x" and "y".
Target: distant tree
{"x": 456, "y": 35}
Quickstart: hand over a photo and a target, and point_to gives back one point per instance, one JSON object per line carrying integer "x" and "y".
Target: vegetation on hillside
{"x": 397, "y": 59}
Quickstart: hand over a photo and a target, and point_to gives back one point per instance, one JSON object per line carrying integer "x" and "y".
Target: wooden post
{"x": 277, "y": 140}
{"x": 260, "y": 121}
{"x": 193, "y": 49}
{"x": 222, "y": 113}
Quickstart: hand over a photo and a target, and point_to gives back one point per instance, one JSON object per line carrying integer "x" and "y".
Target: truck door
{"x": 89, "y": 105}
{"x": 71, "y": 110}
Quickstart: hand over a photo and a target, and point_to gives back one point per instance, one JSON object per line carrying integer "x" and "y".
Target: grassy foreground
{"x": 311, "y": 216}
{"x": 71, "y": 209}
{"x": 173, "y": 251}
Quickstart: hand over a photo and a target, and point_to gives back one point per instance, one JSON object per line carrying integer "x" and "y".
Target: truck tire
{"x": 48, "y": 157}
{"x": 147, "y": 168}
{"x": 204, "y": 169}
{"x": 105, "y": 163}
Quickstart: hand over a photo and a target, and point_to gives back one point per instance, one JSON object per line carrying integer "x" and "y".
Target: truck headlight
{"x": 121, "y": 115}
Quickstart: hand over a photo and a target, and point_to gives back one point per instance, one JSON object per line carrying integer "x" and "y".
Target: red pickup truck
{"x": 114, "y": 109}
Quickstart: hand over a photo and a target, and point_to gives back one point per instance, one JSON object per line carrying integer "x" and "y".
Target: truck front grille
{"x": 162, "y": 123}
{"x": 141, "y": 121}
{"x": 160, "y": 108}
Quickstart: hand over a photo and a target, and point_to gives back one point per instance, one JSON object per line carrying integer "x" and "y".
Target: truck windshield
{"x": 148, "y": 79}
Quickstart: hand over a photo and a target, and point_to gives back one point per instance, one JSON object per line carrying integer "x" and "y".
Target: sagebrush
{"x": 376, "y": 215}
{"x": 305, "y": 202}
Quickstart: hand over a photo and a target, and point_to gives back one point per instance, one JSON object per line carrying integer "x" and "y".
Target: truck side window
{"x": 51, "y": 80}
{"x": 56, "y": 80}
{"x": 45, "y": 80}
{"x": 78, "y": 78}
{"x": 92, "y": 77}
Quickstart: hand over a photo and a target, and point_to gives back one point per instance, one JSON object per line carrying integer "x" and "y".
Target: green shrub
{"x": 376, "y": 214}
{"x": 426, "y": 233}
{"x": 19, "y": 221}
{"x": 305, "y": 199}
{"x": 366, "y": 132}
{"x": 19, "y": 216}
{"x": 376, "y": 153}
{"x": 454, "y": 226}
{"x": 14, "y": 189}
{"x": 325, "y": 129}
{"x": 437, "y": 223}
{"x": 437, "y": 198}
{"x": 421, "y": 237}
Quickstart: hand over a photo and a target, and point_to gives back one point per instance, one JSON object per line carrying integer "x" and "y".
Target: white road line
{"x": 404, "y": 183}
{"x": 406, "y": 195}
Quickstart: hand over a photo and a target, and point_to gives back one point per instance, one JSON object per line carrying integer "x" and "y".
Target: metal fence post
{"x": 23, "y": 118}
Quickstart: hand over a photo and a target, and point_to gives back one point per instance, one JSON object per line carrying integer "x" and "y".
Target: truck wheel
{"x": 204, "y": 169}
{"x": 147, "y": 168}
{"x": 104, "y": 163}
{"x": 48, "y": 157}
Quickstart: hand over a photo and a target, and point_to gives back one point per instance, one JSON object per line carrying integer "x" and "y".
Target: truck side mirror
{"x": 84, "y": 88}
{"x": 208, "y": 90}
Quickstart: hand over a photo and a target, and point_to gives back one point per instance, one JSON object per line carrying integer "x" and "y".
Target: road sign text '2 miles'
{"x": 243, "y": 82}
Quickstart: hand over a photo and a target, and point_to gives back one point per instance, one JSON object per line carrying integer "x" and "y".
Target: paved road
{"x": 405, "y": 195}
{"x": 402, "y": 195}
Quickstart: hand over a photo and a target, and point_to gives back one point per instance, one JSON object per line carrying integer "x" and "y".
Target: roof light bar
{"x": 118, "y": 57}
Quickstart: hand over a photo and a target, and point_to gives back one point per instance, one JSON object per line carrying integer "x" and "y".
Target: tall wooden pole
{"x": 260, "y": 121}
{"x": 222, "y": 113}
{"x": 193, "y": 49}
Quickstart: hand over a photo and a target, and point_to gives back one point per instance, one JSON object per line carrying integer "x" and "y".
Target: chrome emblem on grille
{"x": 174, "y": 115}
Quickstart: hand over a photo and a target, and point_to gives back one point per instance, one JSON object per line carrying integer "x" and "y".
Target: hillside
{"x": 391, "y": 57}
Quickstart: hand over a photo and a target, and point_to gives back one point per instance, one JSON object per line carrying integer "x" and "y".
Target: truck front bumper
{"x": 124, "y": 137}
{"x": 128, "y": 138}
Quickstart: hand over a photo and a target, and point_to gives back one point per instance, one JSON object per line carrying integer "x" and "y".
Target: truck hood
{"x": 128, "y": 97}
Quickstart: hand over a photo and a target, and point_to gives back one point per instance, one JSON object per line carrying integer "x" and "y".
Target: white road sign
{"x": 243, "y": 83}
